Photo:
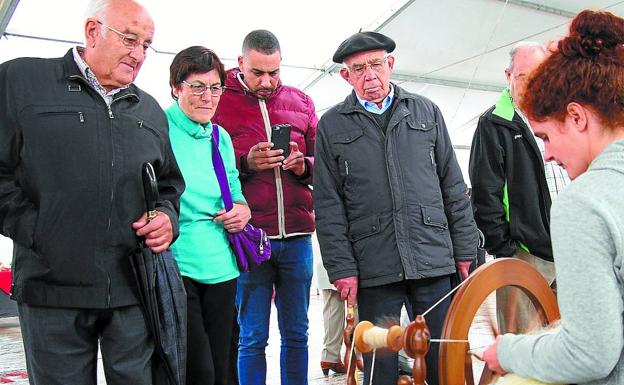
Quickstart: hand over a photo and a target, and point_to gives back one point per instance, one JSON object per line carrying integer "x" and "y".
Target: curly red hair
{"x": 587, "y": 67}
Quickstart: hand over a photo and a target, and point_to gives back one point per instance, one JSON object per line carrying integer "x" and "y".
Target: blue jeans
{"x": 290, "y": 271}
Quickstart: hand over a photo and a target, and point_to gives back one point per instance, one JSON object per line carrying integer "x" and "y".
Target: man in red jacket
{"x": 276, "y": 184}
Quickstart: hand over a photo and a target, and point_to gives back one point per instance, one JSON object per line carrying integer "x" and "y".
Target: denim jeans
{"x": 290, "y": 271}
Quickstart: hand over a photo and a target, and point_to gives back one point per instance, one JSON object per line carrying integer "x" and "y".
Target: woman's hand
{"x": 235, "y": 219}
{"x": 491, "y": 358}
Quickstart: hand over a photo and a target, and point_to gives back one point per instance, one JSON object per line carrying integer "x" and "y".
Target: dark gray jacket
{"x": 70, "y": 182}
{"x": 394, "y": 206}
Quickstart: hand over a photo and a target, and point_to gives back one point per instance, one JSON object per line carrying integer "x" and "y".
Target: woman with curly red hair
{"x": 575, "y": 102}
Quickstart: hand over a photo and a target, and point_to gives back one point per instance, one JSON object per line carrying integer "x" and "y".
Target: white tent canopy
{"x": 452, "y": 51}
{"x": 446, "y": 49}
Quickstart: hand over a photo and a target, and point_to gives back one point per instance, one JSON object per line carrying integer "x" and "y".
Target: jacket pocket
{"x": 364, "y": 227}
{"x": 434, "y": 217}
{"x": 348, "y": 156}
{"x": 145, "y": 125}
{"x": 346, "y": 137}
{"x": 421, "y": 125}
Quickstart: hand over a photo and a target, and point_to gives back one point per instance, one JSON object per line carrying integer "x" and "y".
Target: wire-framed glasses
{"x": 129, "y": 40}
{"x": 376, "y": 65}
{"x": 200, "y": 89}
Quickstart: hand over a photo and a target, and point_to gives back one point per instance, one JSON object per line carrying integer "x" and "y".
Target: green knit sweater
{"x": 202, "y": 249}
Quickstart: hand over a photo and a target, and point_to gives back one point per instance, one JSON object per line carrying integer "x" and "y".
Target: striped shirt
{"x": 88, "y": 74}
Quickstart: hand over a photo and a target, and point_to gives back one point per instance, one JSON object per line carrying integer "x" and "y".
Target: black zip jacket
{"x": 505, "y": 159}
{"x": 70, "y": 182}
{"x": 390, "y": 206}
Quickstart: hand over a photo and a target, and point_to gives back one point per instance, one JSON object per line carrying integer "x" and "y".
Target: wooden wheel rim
{"x": 464, "y": 306}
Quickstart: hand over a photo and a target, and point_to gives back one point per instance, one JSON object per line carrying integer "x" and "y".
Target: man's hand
{"x": 261, "y": 157}
{"x": 347, "y": 287}
{"x": 235, "y": 219}
{"x": 295, "y": 161}
{"x": 158, "y": 232}
{"x": 463, "y": 267}
{"x": 491, "y": 358}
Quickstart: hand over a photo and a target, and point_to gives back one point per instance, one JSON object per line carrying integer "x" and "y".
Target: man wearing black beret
{"x": 393, "y": 219}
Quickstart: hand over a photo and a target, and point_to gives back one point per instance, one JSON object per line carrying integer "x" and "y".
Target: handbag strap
{"x": 219, "y": 167}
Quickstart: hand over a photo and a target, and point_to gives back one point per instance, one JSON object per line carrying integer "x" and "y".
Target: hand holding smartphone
{"x": 280, "y": 137}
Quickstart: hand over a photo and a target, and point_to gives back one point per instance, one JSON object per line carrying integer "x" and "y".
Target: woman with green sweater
{"x": 206, "y": 261}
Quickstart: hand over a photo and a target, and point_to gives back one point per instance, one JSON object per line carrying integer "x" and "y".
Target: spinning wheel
{"x": 454, "y": 360}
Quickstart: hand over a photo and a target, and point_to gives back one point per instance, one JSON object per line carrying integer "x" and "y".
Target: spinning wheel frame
{"x": 482, "y": 282}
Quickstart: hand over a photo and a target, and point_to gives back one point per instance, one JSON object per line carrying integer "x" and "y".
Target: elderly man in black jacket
{"x": 393, "y": 218}
{"x": 75, "y": 132}
{"x": 513, "y": 186}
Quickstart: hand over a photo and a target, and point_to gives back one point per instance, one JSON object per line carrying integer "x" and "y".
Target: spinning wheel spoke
{"x": 455, "y": 361}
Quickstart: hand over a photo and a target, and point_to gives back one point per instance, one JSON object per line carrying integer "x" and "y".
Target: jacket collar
{"x": 507, "y": 115}
{"x": 72, "y": 74}
{"x": 192, "y": 128}
{"x": 351, "y": 103}
{"x": 504, "y": 107}
{"x": 610, "y": 158}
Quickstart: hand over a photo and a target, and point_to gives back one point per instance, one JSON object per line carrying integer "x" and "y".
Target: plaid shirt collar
{"x": 88, "y": 74}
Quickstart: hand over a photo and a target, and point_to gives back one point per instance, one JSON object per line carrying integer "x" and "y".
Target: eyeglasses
{"x": 375, "y": 65}
{"x": 130, "y": 40}
{"x": 200, "y": 89}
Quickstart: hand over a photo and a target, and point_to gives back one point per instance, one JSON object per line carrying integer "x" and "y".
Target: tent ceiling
{"x": 462, "y": 43}
{"x": 453, "y": 51}
{"x": 7, "y": 7}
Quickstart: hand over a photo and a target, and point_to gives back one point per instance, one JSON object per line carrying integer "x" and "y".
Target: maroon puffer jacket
{"x": 281, "y": 203}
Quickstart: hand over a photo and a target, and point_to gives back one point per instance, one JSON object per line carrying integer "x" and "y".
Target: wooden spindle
{"x": 416, "y": 340}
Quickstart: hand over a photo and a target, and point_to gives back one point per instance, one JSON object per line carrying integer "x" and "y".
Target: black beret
{"x": 363, "y": 41}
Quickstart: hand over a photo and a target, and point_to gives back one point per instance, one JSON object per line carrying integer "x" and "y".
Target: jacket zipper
{"x": 281, "y": 221}
{"x": 112, "y": 191}
{"x": 509, "y": 126}
{"x": 111, "y": 116}
{"x": 108, "y": 291}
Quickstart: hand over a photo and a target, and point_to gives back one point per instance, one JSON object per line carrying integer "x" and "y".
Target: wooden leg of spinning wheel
{"x": 487, "y": 377}
{"x": 468, "y": 367}
{"x": 352, "y": 378}
{"x": 416, "y": 344}
{"x": 350, "y": 357}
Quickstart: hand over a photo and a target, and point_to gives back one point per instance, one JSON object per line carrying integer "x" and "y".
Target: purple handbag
{"x": 251, "y": 245}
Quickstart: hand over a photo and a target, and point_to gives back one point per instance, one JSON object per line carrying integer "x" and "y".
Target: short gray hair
{"x": 523, "y": 44}
{"x": 262, "y": 41}
{"x": 98, "y": 9}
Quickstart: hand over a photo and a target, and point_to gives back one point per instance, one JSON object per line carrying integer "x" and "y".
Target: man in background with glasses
{"x": 75, "y": 132}
{"x": 513, "y": 187}
{"x": 277, "y": 188}
{"x": 393, "y": 218}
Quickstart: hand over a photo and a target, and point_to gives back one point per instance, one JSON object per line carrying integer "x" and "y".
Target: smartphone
{"x": 280, "y": 137}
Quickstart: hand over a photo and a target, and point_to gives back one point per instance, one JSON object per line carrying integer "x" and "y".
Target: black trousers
{"x": 381, "y": 305}
{"x": 210, "y": 321}
{"x": 61, "y": 345}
